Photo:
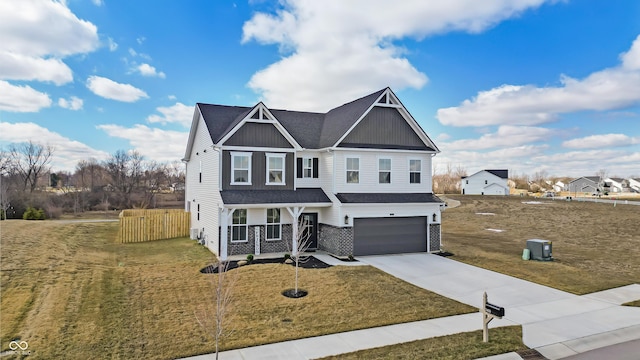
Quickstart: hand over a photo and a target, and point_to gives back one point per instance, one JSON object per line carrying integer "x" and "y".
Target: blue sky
{"x": 527, "y": 85}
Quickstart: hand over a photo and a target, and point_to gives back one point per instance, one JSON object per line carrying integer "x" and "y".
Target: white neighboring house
{"x": 614, "y": 185}
{"x": 634, "y": 184}
{"x": 359, "y": 176}
{"x": 486, "y": 182}
{"x": 559, "y": 186}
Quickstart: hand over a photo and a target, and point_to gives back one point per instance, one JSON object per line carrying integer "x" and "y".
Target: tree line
{"x": 124, "y": 180}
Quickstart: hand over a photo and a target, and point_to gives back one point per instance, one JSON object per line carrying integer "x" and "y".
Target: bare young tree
{"x": 212, "y": 317}
{"x": 299, "y": 246}
{"x": 30, "y": 160}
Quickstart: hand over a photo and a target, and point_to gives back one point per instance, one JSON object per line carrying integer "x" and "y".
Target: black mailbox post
{"x": 489, "y": 312}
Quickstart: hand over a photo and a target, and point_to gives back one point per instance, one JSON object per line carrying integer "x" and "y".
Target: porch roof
{"x": 304, "y": 196}
{"x": 388, "y": 198}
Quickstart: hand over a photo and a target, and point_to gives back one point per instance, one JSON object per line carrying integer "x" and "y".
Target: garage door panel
{"x": 374, "y": 236}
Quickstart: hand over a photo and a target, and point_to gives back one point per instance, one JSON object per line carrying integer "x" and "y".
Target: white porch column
{"x": 224, "y": 228}
{"x": 295, "y": 214}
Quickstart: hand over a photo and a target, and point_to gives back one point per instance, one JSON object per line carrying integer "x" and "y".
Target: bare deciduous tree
{"x": 300, "y": 244}
{"x": 212, "y": 317}
{"x": 30, "y": 160}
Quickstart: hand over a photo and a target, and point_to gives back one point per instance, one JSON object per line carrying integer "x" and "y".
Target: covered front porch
{"x": 257, "y": 222}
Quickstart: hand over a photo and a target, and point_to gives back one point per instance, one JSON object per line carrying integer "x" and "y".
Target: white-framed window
{"x": 239, "y": 226}
{"x": 307, "y": 167}
{"x": 384, "y": 171}
{"x": 273, "y": 224}
{"x": 240, "y": 168}
{"x": 415, "y": 169}
{"x": 353, "y": 170}
{"x": 275, "y": 168}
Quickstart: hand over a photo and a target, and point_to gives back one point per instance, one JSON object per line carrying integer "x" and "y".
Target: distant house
{"x": 559, "y": 186}
{"x": 634, "y": 184}
{"x": 585, "y": 184}
{"x": 615, "y": 185}
{"x": 486, "y": 182}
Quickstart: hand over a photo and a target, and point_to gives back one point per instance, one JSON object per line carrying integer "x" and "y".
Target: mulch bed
{"x": 307, "y": 262}
{"x": 444, "y": 253}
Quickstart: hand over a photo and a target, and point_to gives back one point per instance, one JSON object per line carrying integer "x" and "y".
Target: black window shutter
{"x": 299, "y": 168}
{"x": 315, "y": 167}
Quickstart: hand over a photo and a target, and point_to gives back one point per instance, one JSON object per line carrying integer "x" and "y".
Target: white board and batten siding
{"x": 368, "y": 178}
{"x": 206, "y": 192}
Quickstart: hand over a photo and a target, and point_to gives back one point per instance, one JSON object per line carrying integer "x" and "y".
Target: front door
{"x": 309, "y": 229}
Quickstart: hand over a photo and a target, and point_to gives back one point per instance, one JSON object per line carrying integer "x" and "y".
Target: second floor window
{"x": 239, "y": 226}
{"x": 306, "y": 168}
{"x": 415, "y": 168}
{"x": 240, "y": 168}
{"x": 353, "y": 170}
{"x": 384, "y": 171}
{"x": 275, "y": 169}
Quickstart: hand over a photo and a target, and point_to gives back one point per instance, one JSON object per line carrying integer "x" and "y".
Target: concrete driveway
{"x": 550, "y": 318}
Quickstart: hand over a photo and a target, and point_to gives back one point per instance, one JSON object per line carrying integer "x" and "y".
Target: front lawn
{"x": 71, "y": 291}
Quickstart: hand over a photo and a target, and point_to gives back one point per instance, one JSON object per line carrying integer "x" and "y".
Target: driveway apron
{"x": 548, "y": 316}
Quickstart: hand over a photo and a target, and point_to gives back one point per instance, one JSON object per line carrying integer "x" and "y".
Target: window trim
{"x": 305, "y": 167}
{"x": 276, "y": 224}
{"x": 389, "y": 171}
{"x": 284, "y": 168}
{"x": 240, "y": 225}
{"x": 235, "y": 154}
{"x": 419, "y": 172}
{"x": 347, "y": 170}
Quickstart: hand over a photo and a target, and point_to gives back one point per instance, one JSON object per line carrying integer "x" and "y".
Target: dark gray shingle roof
{"x": 503, "y": 174}
{"x": 387, "y": 198}
{"x": 311, "y": 130}
{"x": 299, "y": 196}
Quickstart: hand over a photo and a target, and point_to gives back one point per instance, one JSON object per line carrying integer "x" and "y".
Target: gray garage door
{"x": 375, "y": 236}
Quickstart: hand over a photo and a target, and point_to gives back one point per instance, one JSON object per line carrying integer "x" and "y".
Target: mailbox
{"x": 495, "y": 310}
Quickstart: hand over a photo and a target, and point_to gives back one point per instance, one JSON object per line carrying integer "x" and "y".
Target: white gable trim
{"x": 265, "y": 117}
{"x": 394, "y": 102}
{"x": 192, "y": 133}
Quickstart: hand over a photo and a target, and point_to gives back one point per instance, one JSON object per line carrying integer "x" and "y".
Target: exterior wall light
{"x": 346, "y": 219}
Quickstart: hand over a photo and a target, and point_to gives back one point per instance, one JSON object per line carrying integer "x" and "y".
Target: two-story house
{"x": 359, "y": 176}
{"x": 486, "y": 182}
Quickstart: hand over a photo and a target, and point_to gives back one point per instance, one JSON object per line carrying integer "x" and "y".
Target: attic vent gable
{"x": 388, "y": 100}
{"x": 259, "y": 114}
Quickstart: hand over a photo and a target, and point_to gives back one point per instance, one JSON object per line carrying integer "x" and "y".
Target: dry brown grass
{"x": 461, "y": 346}
{"x": 71, "y": 292}
{"x": 595, "y": 246}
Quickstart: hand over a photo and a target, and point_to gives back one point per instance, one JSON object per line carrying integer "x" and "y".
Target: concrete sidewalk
{"x": 556, "y": 323}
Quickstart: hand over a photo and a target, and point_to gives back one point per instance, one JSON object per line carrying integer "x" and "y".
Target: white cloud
{"x": 153, "y": 143}
{"x": 22, "y": 67}
{"x": 506, "y": 136}
{"x": 97, "y": 2}
{"x": 601, "y": 141}
{"x": 36, "y": 35}
{"x": 132, "y": 52}
{"x": 178, "y": 113}
{"x": 608, "y": 89}
{"x": 110, "y": 89}
{"x": 148, "y": 70}
{"x": 337, "y": 50}
{"x": 113, "y": 46}
{"x": 141, "y": 39}
{"x": 22, "y": 98}
{"x": 67, "y": 152}
{"x": 74, "y": 103}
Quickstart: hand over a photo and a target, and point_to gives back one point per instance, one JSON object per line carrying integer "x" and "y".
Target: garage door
{"x": 376, "y": 236}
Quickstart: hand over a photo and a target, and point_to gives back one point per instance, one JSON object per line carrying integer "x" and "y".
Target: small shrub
{"x": 287, "y": 256}
{"x": 250, "y": 258}
{"x": 33, "y": 214}
{"x": 351, "y": 258}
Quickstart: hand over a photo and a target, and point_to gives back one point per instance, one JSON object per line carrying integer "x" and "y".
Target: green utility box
{"x": 540, "y": 249}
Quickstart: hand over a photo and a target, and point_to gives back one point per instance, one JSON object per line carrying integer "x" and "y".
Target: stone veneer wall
{"x": 335, "y": 240}
{"x": 434, "y": 237}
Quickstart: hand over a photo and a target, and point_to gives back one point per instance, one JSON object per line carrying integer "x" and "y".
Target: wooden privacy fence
{"x": 147, "y": 225}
